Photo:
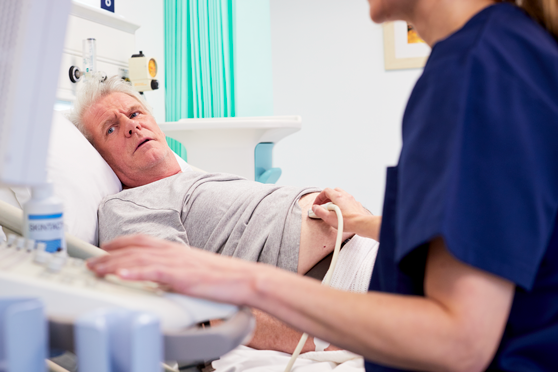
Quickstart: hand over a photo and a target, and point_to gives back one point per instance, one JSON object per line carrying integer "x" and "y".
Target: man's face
{"x": 129, "y": 139}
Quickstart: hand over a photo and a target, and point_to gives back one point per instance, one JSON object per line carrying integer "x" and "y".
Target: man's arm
{"x": 273, "y": 334}
{"x": 456, "y": 326}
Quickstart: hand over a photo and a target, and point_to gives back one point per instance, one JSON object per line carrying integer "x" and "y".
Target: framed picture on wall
{"x": 403, "y": 48}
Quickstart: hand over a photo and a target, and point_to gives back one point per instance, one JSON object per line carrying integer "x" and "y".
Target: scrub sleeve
{"x": 479, "y": 167}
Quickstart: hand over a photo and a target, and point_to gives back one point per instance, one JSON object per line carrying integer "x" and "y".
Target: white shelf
{"x": 227, "y": 144}
{"x": 103, "y": 17}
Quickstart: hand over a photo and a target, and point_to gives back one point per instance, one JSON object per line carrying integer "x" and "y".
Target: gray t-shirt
{"x": 217, "y": 212}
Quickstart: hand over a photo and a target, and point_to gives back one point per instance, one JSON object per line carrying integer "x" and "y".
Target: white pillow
{"x": 183, "y": 165}
{"x": 80, "y": 176}
{"x": 7, "y": 196}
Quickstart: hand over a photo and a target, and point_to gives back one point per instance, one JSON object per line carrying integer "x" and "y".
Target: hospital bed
{"x": 82, "y": 178}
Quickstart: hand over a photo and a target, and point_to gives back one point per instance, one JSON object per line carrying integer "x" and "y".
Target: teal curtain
{"x": 199, "y": 58}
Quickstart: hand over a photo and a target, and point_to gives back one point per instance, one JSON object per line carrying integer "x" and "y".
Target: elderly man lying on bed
{"x": 221, "y": 213}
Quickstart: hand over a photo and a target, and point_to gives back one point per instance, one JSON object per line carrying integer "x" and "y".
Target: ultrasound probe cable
{"x": 327, "y": 279}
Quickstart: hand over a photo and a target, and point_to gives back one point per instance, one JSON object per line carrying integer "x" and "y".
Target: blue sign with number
{"x": 108, "y": 5}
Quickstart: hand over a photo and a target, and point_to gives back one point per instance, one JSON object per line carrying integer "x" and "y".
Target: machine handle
{"x": 204, "y": 344}
{"x": 190, "y": 345}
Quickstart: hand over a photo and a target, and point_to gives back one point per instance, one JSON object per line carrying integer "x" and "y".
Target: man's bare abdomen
{"x": 317, "y": 239}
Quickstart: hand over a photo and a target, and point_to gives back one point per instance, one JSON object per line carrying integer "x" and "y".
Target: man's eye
{"x": 134, "y": 114}
{"x": 110, "y": 130}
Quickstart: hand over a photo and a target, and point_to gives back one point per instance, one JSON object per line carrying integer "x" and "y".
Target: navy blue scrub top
{"x": 479, "y": 167}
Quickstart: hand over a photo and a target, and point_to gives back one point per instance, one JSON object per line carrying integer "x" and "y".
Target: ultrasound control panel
{"x": 69, "y": 289}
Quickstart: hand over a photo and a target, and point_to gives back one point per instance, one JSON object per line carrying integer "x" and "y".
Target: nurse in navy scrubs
{"x": 467, "y": 271}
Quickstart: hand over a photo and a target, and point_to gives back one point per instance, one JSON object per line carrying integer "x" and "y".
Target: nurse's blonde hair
{"x": 92, "y": 90}
{"x": 543, "y": 11}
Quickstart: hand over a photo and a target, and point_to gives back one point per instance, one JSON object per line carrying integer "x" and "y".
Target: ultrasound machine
{"x": 50, "y": 300}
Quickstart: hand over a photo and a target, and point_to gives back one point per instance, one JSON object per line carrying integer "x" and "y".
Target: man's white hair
{"x": 92, "y": 90}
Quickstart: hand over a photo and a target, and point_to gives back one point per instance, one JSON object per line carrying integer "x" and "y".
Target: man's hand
{"x": 356, "y": 218}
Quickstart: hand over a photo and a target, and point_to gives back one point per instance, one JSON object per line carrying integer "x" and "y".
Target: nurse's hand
{"x": 356, "y": 218}
{"x": 180, "y": 268}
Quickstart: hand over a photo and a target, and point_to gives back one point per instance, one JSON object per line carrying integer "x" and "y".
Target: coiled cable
{"x": 327, "y": 278}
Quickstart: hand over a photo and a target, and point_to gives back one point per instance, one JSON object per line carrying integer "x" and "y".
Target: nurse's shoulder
{"x": 502, "y": 39}
{"x": 518, "y": 45}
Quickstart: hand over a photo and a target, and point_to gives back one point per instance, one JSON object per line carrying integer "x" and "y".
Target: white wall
{"x": 328, "y": 67}
{"x": 150, "y": 38}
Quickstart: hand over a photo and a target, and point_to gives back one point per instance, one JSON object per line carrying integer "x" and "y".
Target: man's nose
{"x": 131, "y": 126}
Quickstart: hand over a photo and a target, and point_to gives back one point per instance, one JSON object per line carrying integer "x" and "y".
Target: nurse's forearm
{"x": 456, "y": 327}
{"x": 369, "y": 227}
{"x": 393, "y": 330}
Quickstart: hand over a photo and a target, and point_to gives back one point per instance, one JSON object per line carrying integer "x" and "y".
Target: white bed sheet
{"x": 245, "y": 359}
{"x": 354, "y": 269}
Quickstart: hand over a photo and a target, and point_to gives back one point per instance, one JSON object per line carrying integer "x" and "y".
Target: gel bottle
{"x": 43, "y": 219}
